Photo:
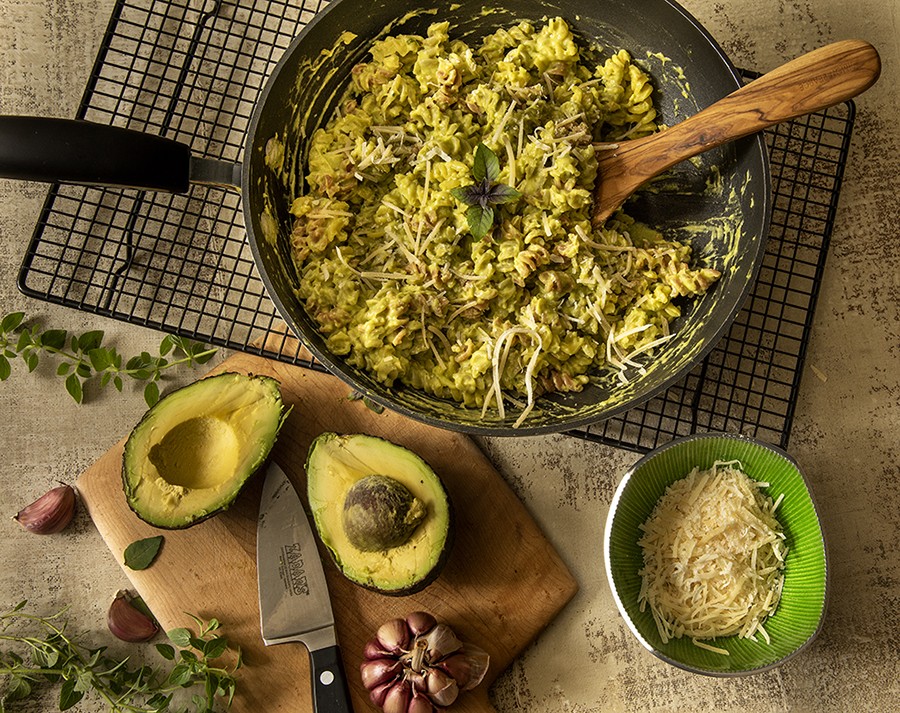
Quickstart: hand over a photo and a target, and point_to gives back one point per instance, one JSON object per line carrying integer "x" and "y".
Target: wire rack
{"x": 192, "y": 70}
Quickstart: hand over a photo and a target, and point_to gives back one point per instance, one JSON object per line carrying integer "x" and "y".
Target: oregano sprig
{"x": 50, "y": 654}
{"x": 484, "y": 193}
{"x": 84, "y": 357}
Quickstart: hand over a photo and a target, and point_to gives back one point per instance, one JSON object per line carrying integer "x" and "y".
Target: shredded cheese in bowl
{"x": 713, "y": 557}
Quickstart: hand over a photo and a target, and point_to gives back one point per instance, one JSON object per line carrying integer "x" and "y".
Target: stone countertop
{"x": 846, "y": 433}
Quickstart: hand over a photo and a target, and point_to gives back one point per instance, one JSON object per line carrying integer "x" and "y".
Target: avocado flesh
{"x": 334, "y": 465}
{"x": 194, "y": 450}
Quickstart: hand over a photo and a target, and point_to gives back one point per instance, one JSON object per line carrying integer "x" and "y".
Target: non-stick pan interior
{"x": 726, "y": 227}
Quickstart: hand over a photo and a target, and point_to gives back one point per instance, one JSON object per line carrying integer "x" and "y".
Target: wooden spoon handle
{"x": 814, "y": 81}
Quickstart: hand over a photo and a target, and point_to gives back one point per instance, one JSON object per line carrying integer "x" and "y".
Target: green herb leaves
{"x": 51, "y": 655}
{"x": 84, "y": 357}
{"x": 193, "y": 668}
{"x": 485, "y": 193}
{"x": 140, "y": 554}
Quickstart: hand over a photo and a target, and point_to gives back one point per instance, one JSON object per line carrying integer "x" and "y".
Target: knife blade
{"x": 294, "y": 605}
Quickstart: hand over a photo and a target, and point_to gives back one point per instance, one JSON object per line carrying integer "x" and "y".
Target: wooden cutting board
{"x": 501, "y": 586}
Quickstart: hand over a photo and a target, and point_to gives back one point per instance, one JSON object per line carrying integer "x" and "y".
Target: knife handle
{"x": 329, "y": 684}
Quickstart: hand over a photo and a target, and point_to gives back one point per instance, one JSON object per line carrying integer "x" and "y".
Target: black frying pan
{"x": 687, "y": 67}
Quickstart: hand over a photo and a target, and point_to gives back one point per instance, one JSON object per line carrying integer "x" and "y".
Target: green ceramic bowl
{"x": 801, "y": 611}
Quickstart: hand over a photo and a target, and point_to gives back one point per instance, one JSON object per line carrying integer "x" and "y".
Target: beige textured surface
{"x": 846, "y": 432}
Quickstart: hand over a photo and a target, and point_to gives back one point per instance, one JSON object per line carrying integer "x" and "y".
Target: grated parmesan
{"x": 713, "y": 557}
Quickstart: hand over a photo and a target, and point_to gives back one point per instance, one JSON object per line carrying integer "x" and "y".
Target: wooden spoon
{"x": 814, "y": 81}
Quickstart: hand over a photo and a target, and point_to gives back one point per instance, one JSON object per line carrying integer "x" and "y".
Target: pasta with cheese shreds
{"x": 388, "y": 269}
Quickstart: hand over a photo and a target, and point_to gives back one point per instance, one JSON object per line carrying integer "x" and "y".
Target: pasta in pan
{"x": 388, "y": 267}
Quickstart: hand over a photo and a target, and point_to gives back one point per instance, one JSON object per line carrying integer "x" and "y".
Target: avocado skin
{"x": 326, "y": 527}
{"x": 187, "y": 404}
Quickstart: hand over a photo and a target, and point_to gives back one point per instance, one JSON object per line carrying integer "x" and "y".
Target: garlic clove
{"x": 397, "y": 698}
{"x": 393, "y": 636}
{"x": 420, "y": 622}
{"x": 441, "y": 641}
{"x": 378, "y": 671}
{"x": 378, "y": 694}
{"x": 127, "y": 622}
{"x": 419, "y": 703}
{"x": 442, "y": 688}
{"x": 50, "y": 513}
{"x": 467, "y": 666}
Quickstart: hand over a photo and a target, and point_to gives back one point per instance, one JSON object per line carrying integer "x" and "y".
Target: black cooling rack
{"x": 192, "y": 71}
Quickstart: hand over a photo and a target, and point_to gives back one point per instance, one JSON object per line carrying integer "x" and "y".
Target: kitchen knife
{"x": 293, "y": 595}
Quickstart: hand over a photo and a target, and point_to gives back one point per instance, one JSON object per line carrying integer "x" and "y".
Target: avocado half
{"x": 193, "y": 451}
{"x": 381, "y": 511}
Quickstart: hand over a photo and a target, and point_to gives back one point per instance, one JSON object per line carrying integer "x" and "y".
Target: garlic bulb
{"x": 417, "y": 665}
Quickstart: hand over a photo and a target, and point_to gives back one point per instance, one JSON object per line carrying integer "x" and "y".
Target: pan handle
{"x": 212, "y": 172}
{"x": 74, "y": 151}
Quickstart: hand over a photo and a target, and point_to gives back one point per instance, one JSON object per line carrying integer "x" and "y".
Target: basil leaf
{"x": 54, "y": 339}
{"x": 24, "y": 341}
{"x": 216, "y": 647}
{"x": 140, "y": 554}
{"x": 180, "y": 675}
{"x": 480, "y": 220}
{"x": 100, "y": 358}
{"x": 501, "y": 193}
{"x": 463, "y": 194}
{"x": 18, "y": 687}
{"x": 486, "y": 166}
{"x": 166, "y": 345}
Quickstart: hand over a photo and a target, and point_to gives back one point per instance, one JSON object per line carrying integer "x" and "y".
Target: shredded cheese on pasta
{"x": 384, "y": 255}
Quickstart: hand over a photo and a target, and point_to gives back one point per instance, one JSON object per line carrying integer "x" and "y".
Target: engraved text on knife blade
{"x": 292, "y": 571}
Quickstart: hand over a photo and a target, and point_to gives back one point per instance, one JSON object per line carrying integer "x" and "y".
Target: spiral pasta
{"x": 388, "y": 269}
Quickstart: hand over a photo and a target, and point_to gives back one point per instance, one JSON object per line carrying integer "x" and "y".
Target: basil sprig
{"x": 484, "y": 193}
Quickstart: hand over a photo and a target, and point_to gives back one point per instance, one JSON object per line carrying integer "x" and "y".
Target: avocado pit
{"x": 380, "y": 513}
